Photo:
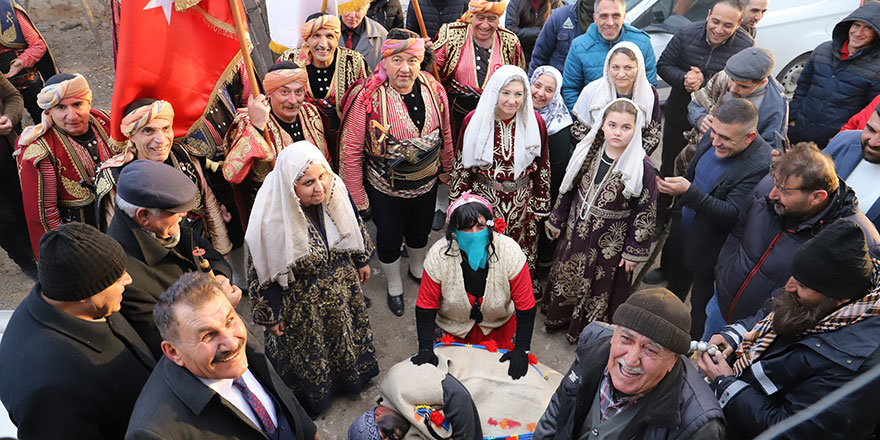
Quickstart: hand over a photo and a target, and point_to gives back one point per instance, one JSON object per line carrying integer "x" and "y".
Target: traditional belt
{"x": 506, "y": 185}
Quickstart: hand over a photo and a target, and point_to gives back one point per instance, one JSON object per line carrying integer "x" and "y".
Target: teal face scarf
{"x": 475, "y": 245}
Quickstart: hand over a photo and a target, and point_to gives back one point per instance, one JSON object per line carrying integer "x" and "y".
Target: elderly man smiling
{"x": 634, "y": 383}
{"x": 211, "y": 383}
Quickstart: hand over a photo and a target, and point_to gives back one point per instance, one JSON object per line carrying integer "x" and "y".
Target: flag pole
{"x": 418, "y": 11}
{"x": 246, "y": 55}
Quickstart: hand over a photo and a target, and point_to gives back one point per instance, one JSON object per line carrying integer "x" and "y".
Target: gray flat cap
{"x": 752, "y": 64}
{"x": 150, "y": 184}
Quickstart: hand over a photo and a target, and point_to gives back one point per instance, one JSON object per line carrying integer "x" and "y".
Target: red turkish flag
{"x": 181, "y": 51}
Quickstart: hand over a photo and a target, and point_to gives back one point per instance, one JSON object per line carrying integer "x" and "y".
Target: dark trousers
{"x": 673, "y": 143}
{"x": 672, "y": 261}
{"x": 14, "y": 237}
{"x": 397, "y": 219}
{"x": 701, "y": 293}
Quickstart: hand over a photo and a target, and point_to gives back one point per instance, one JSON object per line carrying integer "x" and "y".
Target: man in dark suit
{"x": 72, "y": 365}
{"x": 151, "y": 224}
{"x": 730, "y": 159}
{"x": 212, "y": 383}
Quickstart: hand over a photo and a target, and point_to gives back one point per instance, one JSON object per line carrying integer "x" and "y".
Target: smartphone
{"x": 655, "y": 170}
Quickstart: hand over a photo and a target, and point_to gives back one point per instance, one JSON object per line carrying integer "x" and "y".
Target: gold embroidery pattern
{"x": 75, "y": 189}
{"x": 611, "y": 242}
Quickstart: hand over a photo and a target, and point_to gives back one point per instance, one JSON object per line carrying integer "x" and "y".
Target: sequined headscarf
{"x": 483, "y": 7}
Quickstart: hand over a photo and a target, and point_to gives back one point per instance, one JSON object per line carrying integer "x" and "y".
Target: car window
{"x": 669, "y": 15}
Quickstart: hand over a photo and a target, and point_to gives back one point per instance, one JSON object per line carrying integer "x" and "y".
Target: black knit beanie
{"x": 659, "y": 315}
{"x": 77, "y": 261}
{"x": 835, "y": 262}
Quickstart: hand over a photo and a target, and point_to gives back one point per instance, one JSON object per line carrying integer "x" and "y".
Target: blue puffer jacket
{"x": 830, "y": 90}
{"x": 586, "y": 59}
{"x": 555, "y": 38}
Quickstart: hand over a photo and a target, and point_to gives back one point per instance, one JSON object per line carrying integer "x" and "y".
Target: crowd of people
{"x": 529, "y": 145}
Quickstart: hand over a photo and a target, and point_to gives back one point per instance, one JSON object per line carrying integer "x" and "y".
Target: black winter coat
{"x": 755, "y": 260}
{"x": 688, "y": 47}
{"x": 388, "y": 13}
{"x": 796, "y": 372}
{"x": 718, "y": 209}
{"x": 66, "y": 378}
{"x": 154, "y": 269}
{"x": 830, "y": 90}
{"x": 681, "y": 406}
{"x": 175, "y": 404}
{"x": 436, "y": 13}
{"x": 524, "y": 21}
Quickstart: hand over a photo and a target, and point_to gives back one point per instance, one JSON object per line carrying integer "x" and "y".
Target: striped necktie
{"x": 255, "y": 404}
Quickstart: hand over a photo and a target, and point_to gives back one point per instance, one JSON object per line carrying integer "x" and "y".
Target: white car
{"x": 791, "y": 29}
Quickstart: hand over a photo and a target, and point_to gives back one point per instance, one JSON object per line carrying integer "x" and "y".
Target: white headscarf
{"x": 597, "y": 94}
{"x": 555, "y": 113}
{"x": 630, "y": 163}
{"x": 479, "y": 146}
{"x": 278, "y": 230}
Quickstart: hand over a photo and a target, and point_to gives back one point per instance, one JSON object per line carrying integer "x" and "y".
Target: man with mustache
{"x": 585, "y": 62}
{"x": 331, "y": 69}
{"x": 285, "y": 115}
{"x": 211, "y": 382}
{"x": 469, "y": 50}
{"x": 151, "y": 202}
{"x": 856, "y": 155}
{"x": 801, "y": 196}
{"x": 633, "y": 382}
{"x": 148, "y": 126}
{"x": 819, "y": 333}
{"x": 396, "y": 143}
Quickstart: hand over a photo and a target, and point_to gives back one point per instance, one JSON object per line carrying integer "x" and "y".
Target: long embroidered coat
{"x": 58, "y": 177}
{"x": 585, "y": 282}
{"x": 327, "y": 345}
{"x": 525, "y": 200}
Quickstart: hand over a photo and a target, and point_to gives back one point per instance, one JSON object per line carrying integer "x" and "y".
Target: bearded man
{"x": 285, "y": 116}
{"x": 58, "y": 158}
{"x": 469, "y": 51}
{"x": 395, "y": 137}
{"x": 148, "y": 126}
{"x": 856, "y": 155}
{"x": 331, "y": 69}
{"x": 821, "y": 332}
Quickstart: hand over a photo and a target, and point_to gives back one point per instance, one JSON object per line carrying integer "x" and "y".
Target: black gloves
{"x": 366, "y": 214}
{"x": 519, "y": 362}
{"x": 519, "y": 359}
{"x": 425, "y": 357}
{"x": 425, "y": 330}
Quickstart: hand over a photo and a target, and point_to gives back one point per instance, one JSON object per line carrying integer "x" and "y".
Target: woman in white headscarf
{"x": 604, "y": 218}
{"x": 502, "y": 155}
{"x": 546, "y": 90}
{"x": 309, "y": 256}
{"x": 623, "y": 77}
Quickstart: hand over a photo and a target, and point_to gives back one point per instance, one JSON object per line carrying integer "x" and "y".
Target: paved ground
{"x": 77, "y": 49}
